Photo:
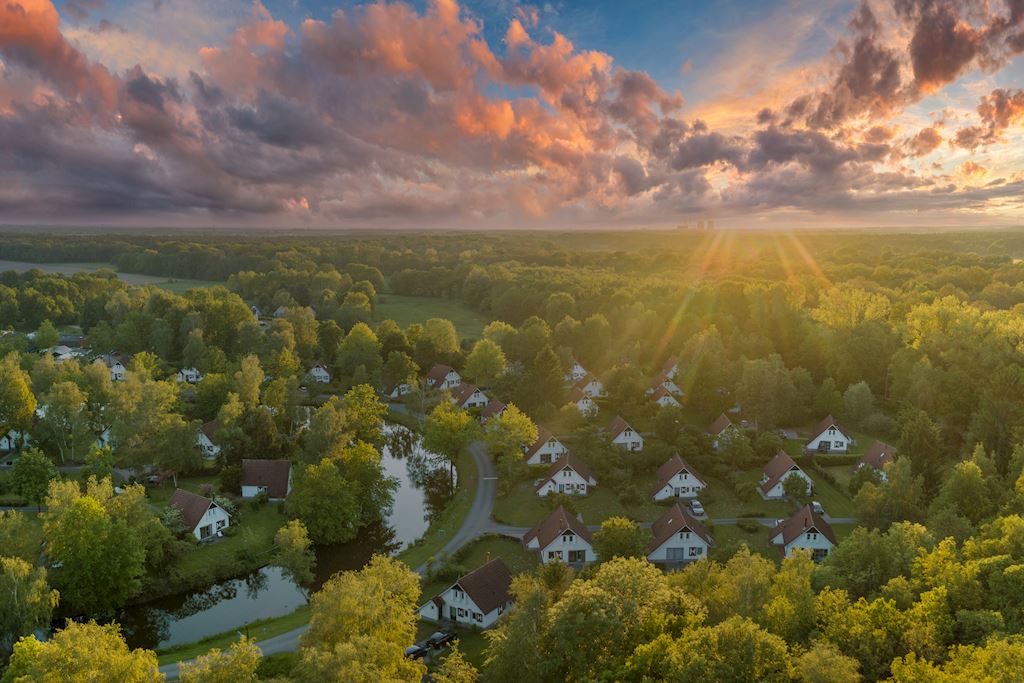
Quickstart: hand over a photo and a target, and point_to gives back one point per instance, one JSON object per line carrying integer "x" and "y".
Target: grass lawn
{"x": 258, "y": 630}
{"x": 523, "y": 507}
{"x": 450, "y": 519}
{"x": 161, "y": 495}
{"x": 722, "y": 501}
{"x": 729, "y": 538}
{"x": 841, "y": 473}
{"x": 406, "y": 310}
{"x": 842, "y": 531}
{"x": 835, "y": 502}
{"x": 255, "y": 531}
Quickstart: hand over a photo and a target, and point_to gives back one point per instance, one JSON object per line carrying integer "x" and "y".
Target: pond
{"x": 424, "y": 487}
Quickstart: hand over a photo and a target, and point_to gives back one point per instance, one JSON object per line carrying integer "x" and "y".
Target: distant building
{"x": 443, "y": 377}
{"x": 878, "y": 456}
{"x": 677, "y": 479}
{"x": 625, "y": 436}
{"x": 206, "y": 439}
{"x": 467, "y": 396}
{"x": 117, "y": 363}
{"x": 190, "y": 376}
{"x": 568, "y": 475}
{"x": 320, "y": 374}
{"x": 829, "y": 437}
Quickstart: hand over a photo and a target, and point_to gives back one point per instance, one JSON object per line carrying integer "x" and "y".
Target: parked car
{"x": 416, "y": 651}
{"x": 440, "y": 638}
{"x": 816, "y": 506}
{"x": 697, "y": 508}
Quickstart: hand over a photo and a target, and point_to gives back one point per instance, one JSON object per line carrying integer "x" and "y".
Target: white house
{"x": 583, "y": 403}
{"x": 190, "y": 376}
{"x": 397, "y": 391}
{"x": 467, "y": 396}
{"x": 625, "y": 436}
{"x": 775, "y": 474}
{"x": 117, "y": 363}
{"x": 568, "y": 475}
{"x": 272, "y": 477}
{"x": 494, "y": 408}
{"x": 806, "y": 530}
{"x": 829, "y": 437}
{"x": 561, "y": 538}
{"x": 206, "y": 439}
{"x": 878, "y": 456}
{"x": 443, "y": 377}
{"x": 320, "y": 374}
{"x": 591, "y": 386}
{"x": 545, "y": 450}
{"x": 256, "y": 312}
{"x": 203, "y": 518}
{"x": 677, "y": 479}
{"x": 671, "y": 367}
{"x": 576, "y": 372}
{"x": 678, "y": 538}
{"x": 718, "y": 428}
{"x": 61, "y": 353}
{"x": 281, "y": 311}
{"x": 663, "y": 397}
{"x": 105, "y": 439}
{"x": 11, "y": 440}
{"x": 663, "y": 381}
{"x": 477, "y": 599}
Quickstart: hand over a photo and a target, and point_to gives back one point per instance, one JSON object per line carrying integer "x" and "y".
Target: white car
{"x": 816, "y": 506}
{"x": 697, "y": 508}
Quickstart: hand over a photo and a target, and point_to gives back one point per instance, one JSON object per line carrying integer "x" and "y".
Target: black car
{"x": 416, "y": 651}
{"x": 440, "y": 638}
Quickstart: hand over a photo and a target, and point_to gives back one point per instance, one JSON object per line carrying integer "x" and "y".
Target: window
{"x": 839, "y": 444}
{"x": 458, "y": 594}
{"x": 696, "y": 551}
{"x": 221, "y": 524}
{"x": 205, "y": 532}
{"x": 685, "y": 535}
{"x": 462, "y": 613}
{"x": 674, "y": 554}
{"x": 577, "y": 556}
{"x": 554, "y": 554}
{"x": 812, "y": 535}
{"x": 677, "y": 491}
{"x": 568, "y": 537}
{"x": 566, "y": 473}
{"x": 545, "y": 458}
{"x": 478, "y": 617}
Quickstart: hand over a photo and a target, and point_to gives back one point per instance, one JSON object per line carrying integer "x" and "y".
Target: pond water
{"x": 424, "y": 486}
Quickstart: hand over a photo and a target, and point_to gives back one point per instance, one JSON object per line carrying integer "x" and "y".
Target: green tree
{"x": 485, "y": 363}
{"x": 364, "y": 414}
{"x": 858, "y": 402}
{"x": 447, "y": 431}
{"x": 506, "y": 437}
{"x": 248, "y": 380}
{"x": 17, "y": 403}
{"x": 32, "y": 474}
{"x": 294, "y": 552}
{"x": 735, "y": 650}
{"x": 399, "y": 368}
{"x": 766, "y": 391}
{"x": 326, "y": 502}
{"x": 237, "y": 664}
{"x": 327, "y": 428}
{"x": 921, "y": 442}
{"x": 359, "y": 349}
{"x": 28, "y": 601}
{"x": 46, "y": 335}
{"x": 517, "y": 648}
{"x": 64, "y": 428}
{"x": 18, "y": 536}
{"x": 796, "y": 487}
{"x": 620, "y": 537}
{"x": 823, "y": 662}
{"x": 455, "y": 668}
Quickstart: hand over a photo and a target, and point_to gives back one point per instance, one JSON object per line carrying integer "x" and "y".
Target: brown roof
{"x": 671, "y": 468}
{"x": 662, "y": 391}
{"x": 437, "y": 374}
{"x": 551, "y": 528}
{"x": 657, "y": 381}
{"x": 210, "y": 429}
{"x": 543, "y": 436}
{"x": 617, "y": 426}
{"x": 109, "y": 359}
{"x": 576, "y": 395}
{"x": 721, "y": 423}
{"x": 488, "y": 586}
{"x": 777, "y": 469}
{"x": 878, "y": 455}
{"x": 670, "y": 363}
{"x": 829, "y": 421}
{"x": 672, "y": 522}
{"x": 192, "y": 506}
{"x": 585, "y": 380}
{"x": 270, "y": 473}
{"x": 461, "y": 393}
{"x": 804, "y": 520}
{"x": 568, "y": 460}
{"x": 493, "y": 408}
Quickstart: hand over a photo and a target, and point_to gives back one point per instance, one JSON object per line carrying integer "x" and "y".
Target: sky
{"x": 501, "y": 114}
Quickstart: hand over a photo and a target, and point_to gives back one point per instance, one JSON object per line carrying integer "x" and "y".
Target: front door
{"x": 452, "y": 614}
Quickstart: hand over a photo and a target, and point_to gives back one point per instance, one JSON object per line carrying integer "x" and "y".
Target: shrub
{"x": 748, "y": 525}
{"x": 279, "y": 665}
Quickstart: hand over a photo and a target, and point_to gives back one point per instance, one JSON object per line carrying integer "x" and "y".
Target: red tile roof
{"x": 804, "y": 520}
{"x": 670, "y": 362}
{"x": 776, "y": 470}
{"x": 272, "y": 474}
{"x": 551, "y": 528}
{"x": 576, "y": 395}
{"x": 674, "y": 466}
{"x": 568, "y": 460}
{"x": 661, "y": 391}
{"x": 672, "y": 522}
{"x": 585, "y": 380}
{"x": 210, "y": 429}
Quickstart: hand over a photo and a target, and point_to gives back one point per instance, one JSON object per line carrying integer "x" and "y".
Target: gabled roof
{"x": 210, "y": 429}
{"x": 554, "y": 526}
{"x": 777, "y": 469}
{"x": 674, "y": 466}
{"x": 488, "y": 586}
{"x": 461, "y": 393}
{"x": 670, "y": 362}
{"x": 569, "y": 460}
{"x": 878, "y": 455}
{"x": 617, "y": 426}
{"x": 543, "y": 436}
{"x": 661, "y": 392}
{"x": 272, "y": 474}
{"x": 672, "y": 522}
{"x": 803, "y": 521}
{"x": 576, "y": 395}
{"x": 114, "y": 357}
{"x": 321, "y": 366}
{"x": 585, "y": 380}
{"x": 438, "y": 373}
{"x": 721, "y": 423}
{"x": 829, "y": 421}
{"x": 192, "y": 506}
{"x": 494, "y": 407}
{"x": 660, "y": 379}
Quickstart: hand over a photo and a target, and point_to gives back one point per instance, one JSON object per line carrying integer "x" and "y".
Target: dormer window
{"x": 568, "y": 537}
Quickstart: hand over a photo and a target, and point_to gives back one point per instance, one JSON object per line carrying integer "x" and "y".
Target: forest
{"x": 909, "y": 339}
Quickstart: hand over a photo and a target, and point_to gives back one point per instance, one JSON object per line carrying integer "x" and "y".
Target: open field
{"x": 172, "y": 284}
{"x": 406, "y": 310}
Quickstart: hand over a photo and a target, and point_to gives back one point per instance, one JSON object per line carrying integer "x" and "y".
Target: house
{"x": 190, "y": 376}
{"x": 775, "y": 474}
{"x": 281, "y": 311}
{"x": 806, "y": 530}
{"x": 561, "y": 537}
{"x": 583, "y": 403}
{"x": 443, "y": 377}
{"x": 206, "y": 439}
{"x": 677, "y": 479}
{"x": 467, "y": 396}
{"x": 203, "y": 518}
{"x": 829, "y": 437}
{"x": 545, "y": 450}
{"x": 663, "y": 397}
{"x": 878, "y": 456}
{"x": 273, "y": 477}
{"x": 591, "y": 386}
{"x": 397, "y": 391}
{"x": 576, "y": 372}
{"x": 117, "y": 363}
{"x": 671, "y": 367}
{"x": 720, "y": 426}
{"x": 678, "y": 538}
{"x": 11, "y": 440}
{"x": 494, "y": 408}
{"x": 477, "y": 599}
{"x": 568, "y": 475}
{"x": 663, "y": 381}
{"x": 61, "y": 353}
{"x": 104, "y": 440}
{"x": 256, "y": 312}
{"x": 320, "y": 374}
{"x": 625, "y": 436}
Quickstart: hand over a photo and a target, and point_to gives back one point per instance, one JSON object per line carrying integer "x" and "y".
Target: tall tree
{"x": 294, "y": 552}
{"x": 506, "y": 436}
{"x": 64, "y": 427}
{"x": 364, "y": 414}
{"x": 326, "y": 502}
{"x": 17, "y": 403}
{"x": 237, "y": 664}
{"x": 32, "y": 474}
{"x": 27, "y": 601}
{"x": 620, "y": 537}
{"x": 447, "y": 431}
{"x": 485, "y": 363}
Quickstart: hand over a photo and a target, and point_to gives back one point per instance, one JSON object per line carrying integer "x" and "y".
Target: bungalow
{"x": 568, "y": 475}
{"x": 678, "y": 538}
{"x": 625, "y": 436}
{"x": 806, "y": 530}
{"x": 443, "y": 377}
{"x": 467, "y": 396}
{"x": 190, "y": 376}
{"x": 829, "y": 437}
{"x": 272, "y": 477}
{"x": 477, "y": 599}
{"x": 203, "y": 518}
{"x": 11, "y": 440}
{"x": 545, "y": 450}
{"x": 320, "y": 374}
{"x": 720, "y": 426}
{"x": 775, "y": 474}
{"x": 494, "y": 408}
{"x": 576, "y": 372}
{"x": 397, "y": 391}
{"x": 878, "y": 456}
{"x": 117, "y": 363}
{"x": 583, "y": 403}
{"x": 671, "y": 367}
{"x": 664, "y": 398}
{"x": 206, "y": 439}
{"x": 677, "y": 479}
{"x": 563, "y": 538}
{"x": 663, "y": 381}
{"x": 590, "y": 385}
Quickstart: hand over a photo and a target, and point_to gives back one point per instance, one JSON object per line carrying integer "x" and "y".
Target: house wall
{"x": 660, "y": 554}
{"x": 838, "y": 442}
{"x": 476, "y": 400}
{"x": 573, "y": 484}
{"x": 812, "y": 544}
{"x": 629, "y": 440}
{"x": 561, "y": 548}
{"x": 552, "y": 450}
{"x": 778, "y": 491}
{"x": 683, "y": 480}
{"x": 209, "y": 449}
{"x": 429, "y": 611}
{"x": 585, "y": 406}
{"x": 214, "y": 515}
{"x": 320, "y": 375}
{"x": 667, "y": 401}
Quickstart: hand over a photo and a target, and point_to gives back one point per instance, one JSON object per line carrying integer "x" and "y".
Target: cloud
{"x": 998, "y": 111}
